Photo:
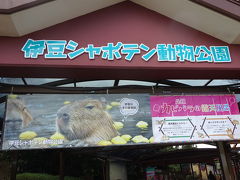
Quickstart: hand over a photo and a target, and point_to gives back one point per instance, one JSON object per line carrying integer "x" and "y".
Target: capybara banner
{"x": 76, "y": 120}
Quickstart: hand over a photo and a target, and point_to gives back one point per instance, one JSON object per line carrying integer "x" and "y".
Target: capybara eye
{"x": 65, "y": 117}
{"x": 89, "y": 107}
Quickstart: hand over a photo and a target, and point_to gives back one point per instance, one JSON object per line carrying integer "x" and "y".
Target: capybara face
{"x": 85, "y": 120}
{"x": 17, "y": 111}
{"x": 17, "y": 116}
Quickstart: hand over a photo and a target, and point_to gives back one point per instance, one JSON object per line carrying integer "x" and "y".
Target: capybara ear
{"x": 27, "y": 118}
{"x": 104, "y": 105}
{"x": 104, "y": 102}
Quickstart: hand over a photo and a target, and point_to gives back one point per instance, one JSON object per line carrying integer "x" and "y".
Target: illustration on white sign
{"x": 196, "y": 128}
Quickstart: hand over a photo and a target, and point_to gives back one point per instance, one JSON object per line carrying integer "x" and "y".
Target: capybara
{"x": 85, "y": 120}
{"x": 17, "y": 117}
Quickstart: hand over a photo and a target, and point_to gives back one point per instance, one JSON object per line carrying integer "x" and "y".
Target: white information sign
{"x": 196, "y": 128}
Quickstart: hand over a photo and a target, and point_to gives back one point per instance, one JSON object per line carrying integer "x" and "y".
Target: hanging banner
{"x": 68, "y": 121}
{"x": 195, "y": 118}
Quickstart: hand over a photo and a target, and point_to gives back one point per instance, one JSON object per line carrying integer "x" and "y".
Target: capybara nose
{"x": 89, "y": 107}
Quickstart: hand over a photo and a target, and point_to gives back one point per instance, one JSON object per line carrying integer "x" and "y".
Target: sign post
{"x": 61, "y": 165}
{"x": 225, "y": 160}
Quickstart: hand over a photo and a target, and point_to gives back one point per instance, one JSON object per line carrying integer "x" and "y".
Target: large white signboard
{"x": 196, "y": 128}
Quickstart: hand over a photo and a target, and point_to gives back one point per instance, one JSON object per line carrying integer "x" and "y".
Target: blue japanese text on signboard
{"x": 62, "y": 49}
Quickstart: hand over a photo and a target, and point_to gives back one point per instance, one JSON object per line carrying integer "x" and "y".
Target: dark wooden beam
{"x": 208, "y": 82}
{"x": 60, "y": 82}
{"x": 20, "y": 89}
{"x": 116, "y": 82}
